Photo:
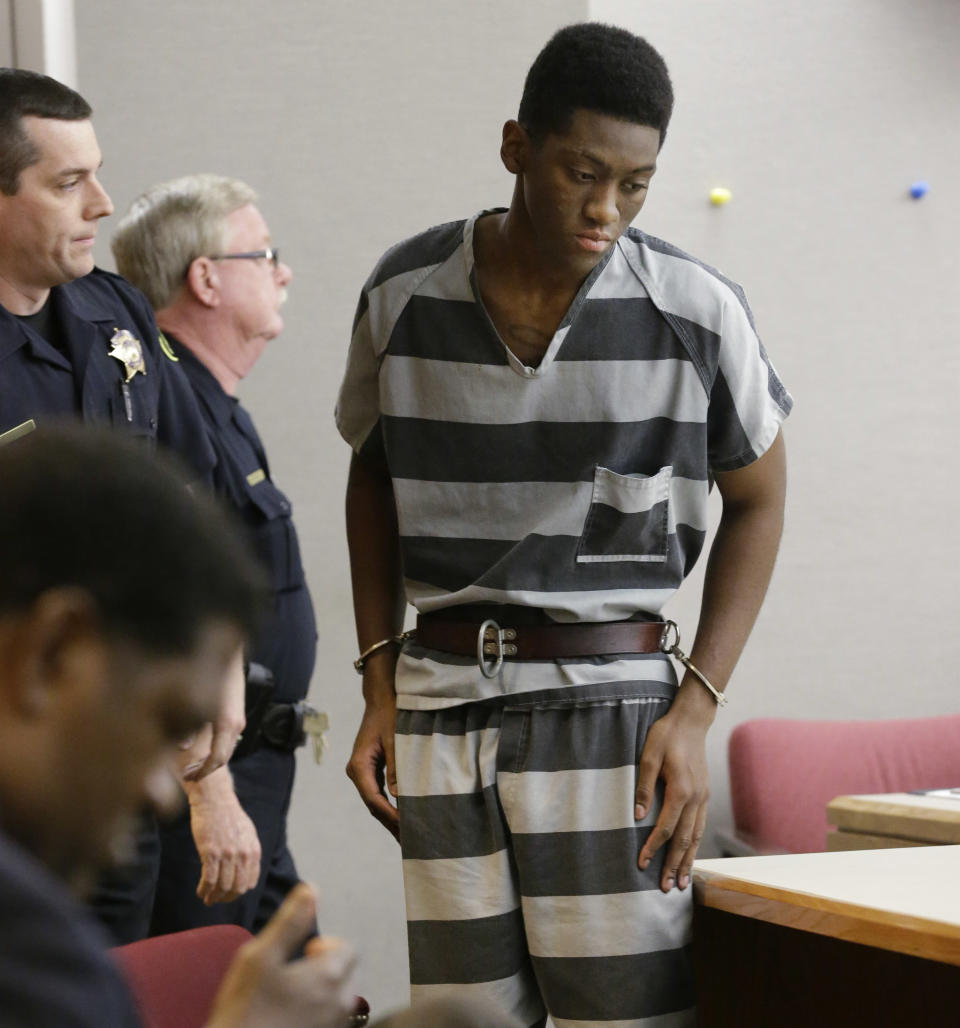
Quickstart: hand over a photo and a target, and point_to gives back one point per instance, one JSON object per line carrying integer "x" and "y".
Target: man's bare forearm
{"x": 741, "y": 563}
{"x": 374, "y": 545}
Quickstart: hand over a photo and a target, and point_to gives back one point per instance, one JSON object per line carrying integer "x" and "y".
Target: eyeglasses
{"x": 272, "y": 254}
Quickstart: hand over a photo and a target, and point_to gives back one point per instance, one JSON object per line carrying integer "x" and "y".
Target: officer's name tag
{"x": 16, "y": 433}
{"x": 256, "y": 477}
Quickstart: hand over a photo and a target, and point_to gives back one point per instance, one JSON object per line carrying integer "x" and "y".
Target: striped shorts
{"x": 520, "y": 860}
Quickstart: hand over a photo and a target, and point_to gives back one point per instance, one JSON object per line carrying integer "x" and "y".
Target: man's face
{"x": 115, "y": 751}
{"x": 252, "y": 291}
{"x": 49, "y": 225}
{"x": 582, "y": 189}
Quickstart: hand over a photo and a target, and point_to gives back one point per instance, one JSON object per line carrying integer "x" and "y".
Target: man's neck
{"x": 197, "y": 340}
{"x": 525, "y": 299}
{"x": 511, "y": 248}
{"x": 19, "y": 299}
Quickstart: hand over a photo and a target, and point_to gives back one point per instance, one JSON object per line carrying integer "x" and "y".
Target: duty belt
{"x": 279, "y": 726}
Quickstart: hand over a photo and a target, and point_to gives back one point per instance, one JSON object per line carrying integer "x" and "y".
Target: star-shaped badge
{"x": 127, "y": 350}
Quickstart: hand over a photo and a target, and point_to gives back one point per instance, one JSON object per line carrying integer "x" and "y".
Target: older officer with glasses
{"x": 201, "y": 251}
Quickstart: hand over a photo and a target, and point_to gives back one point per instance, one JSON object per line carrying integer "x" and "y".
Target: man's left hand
{"x": 675, "y": 751}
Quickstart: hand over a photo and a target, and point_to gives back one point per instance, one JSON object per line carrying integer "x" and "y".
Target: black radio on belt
{"x": 259, "y": 694}
{"x": 282, "y": 727}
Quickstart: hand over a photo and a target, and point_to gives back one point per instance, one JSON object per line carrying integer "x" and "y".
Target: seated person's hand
{"x": 266, "y": 987}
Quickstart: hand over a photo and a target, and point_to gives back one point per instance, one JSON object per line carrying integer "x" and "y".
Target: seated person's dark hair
{"x": 600, "y": 68}
{"x": 27, "y": 93}
{"x": 95, "y": 509}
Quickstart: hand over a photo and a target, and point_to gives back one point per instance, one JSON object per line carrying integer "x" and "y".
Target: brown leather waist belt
{"x": 539, "y": 642}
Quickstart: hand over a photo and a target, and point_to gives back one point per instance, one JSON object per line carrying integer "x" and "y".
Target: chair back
{"x": 783, "y": 773}
{"x": 174, "y": 978}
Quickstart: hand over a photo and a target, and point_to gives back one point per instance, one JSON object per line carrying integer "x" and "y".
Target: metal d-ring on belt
{"x": 496, "y": 641}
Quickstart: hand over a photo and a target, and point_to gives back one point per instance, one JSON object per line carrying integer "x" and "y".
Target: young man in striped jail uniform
{"x": 538, "y": 400}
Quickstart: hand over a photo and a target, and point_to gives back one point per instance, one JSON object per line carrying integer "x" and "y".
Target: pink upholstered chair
{"x": 174, "y": 978}
{"x": 783, "y": 773}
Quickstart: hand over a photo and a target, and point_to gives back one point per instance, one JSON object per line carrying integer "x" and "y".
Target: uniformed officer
{"x": 200, "y": 250}
{"x": 78, "y": 342}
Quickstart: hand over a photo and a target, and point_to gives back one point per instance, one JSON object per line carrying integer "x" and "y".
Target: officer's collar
{"x": 90, "y": 304}
{"x": 15, "y": 333}
{"x": 220, "y": 405}
{"x": 85, "y": 304}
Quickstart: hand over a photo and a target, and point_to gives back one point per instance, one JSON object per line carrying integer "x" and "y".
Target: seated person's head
{"x": 122, "y": 598}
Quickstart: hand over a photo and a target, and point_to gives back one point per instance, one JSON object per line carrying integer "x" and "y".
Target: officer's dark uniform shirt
{"x": 40, "y": 382}
{"x": 263, "y": 778}
{"x": 287, "y": 644}
{"x": 72, "y": 377}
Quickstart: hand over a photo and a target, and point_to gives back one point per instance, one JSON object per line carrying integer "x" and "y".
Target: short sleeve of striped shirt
{"x": 710, "y": 315}
{"x": 397, "y": 277}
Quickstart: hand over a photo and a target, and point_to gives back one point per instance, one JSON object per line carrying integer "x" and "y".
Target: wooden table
{"x": 892, "y": 820}
{"x": 830, "y": 939}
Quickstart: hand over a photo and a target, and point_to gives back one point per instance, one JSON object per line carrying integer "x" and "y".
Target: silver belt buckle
{"x": 494, "y": 641}
{"x": 490, "y": 642}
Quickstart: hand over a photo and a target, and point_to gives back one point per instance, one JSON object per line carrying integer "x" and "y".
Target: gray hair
{"x": 169, "y": 226}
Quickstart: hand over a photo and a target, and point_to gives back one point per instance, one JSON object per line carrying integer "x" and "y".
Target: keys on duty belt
{"x": 281, "y": 726}
{"x": 287, "y": 726}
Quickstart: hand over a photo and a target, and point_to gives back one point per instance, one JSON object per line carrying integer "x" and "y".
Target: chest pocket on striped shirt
{"x": 628, "y": 518}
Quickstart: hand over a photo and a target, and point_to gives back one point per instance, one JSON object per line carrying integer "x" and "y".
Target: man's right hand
{"x": 225, "y": 837}
{"x": 371, "y": 767}
{"x": 265, "y": 987}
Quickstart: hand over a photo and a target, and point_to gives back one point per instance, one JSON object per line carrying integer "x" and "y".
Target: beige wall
{"x": 6, "y": 35}
{"x": 363, "y": 122}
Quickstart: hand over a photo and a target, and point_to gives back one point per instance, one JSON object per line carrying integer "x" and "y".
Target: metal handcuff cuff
{"x": 673, "y": 649}
{"x": 393, "y": 640}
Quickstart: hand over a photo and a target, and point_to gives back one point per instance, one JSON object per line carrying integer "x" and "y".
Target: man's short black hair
{"x": 96, "y": 509}
{"x": 25, "y": 93}
{"x": 599, "y": 68}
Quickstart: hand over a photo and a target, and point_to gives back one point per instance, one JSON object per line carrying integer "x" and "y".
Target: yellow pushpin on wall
{"x": 719, "y": 196}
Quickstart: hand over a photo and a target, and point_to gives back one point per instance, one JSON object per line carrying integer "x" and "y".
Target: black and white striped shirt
{"x": 578, "y": 487}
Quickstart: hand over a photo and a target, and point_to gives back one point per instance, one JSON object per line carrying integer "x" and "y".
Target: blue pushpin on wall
{"x": 919, "y": 189}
